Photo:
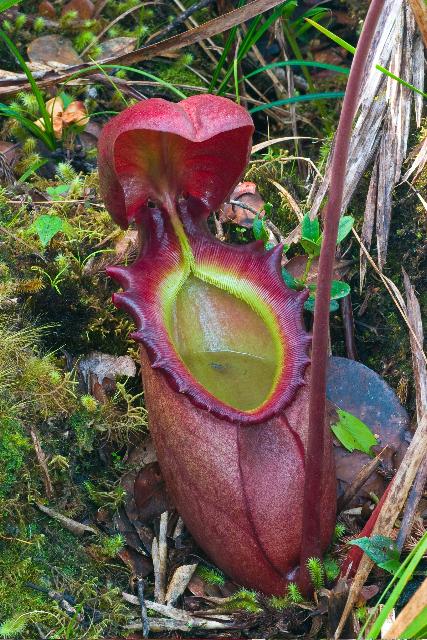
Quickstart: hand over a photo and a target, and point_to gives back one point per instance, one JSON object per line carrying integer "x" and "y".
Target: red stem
{"x": 310, "y": 545}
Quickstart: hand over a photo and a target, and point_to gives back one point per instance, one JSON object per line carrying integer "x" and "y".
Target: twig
{"x": 77, "y": 528}
{"x": 364, "y": 474}
{"x": 179, "y": 615}
{"x": 159, "y": 552}
{"x": 182, "y": 18}
{"x": 41, "y": 459}
{"x": 415, "y": 495}
{"x": 392, "y": 505}
{"x": 219, "y": 228}
{"x": 348, "y": 324}
{"x": 144, "y": 615}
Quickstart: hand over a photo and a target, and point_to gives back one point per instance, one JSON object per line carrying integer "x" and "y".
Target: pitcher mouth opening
{"x": 224, "y": 344}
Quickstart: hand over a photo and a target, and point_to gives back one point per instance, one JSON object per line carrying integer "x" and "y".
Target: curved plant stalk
{"x": 312, "y": 513}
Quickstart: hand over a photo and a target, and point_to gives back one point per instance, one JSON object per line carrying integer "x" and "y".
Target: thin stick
{"x": 144, "y": 614}
{"x": 159, "y": 551}
{"x": 310, "y": 543}
{"x": 363, "y": 476}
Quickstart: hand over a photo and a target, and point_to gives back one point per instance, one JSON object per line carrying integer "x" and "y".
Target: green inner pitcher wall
{"x": 224, "y": 343}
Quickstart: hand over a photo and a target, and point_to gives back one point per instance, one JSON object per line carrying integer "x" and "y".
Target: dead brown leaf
{"x": 53, "y": 50}
{"x": 84, "y": 8}
{"x": 117, "y": 46}
{"x": 247, "y": 193}
{"x": 151, "y": 497}
{"x": 47, "y": 10}
{"x": 296, "y": 267}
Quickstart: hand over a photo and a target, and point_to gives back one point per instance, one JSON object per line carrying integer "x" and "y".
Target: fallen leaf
{"x": 75, "y": 113}
{"x": 140, "y": 565}
{"x": 296, "y": 267}
{"x": 47, "y": 10}
{"x": 11, "y": 151}
{"x": 100, "y": 370}
{"x": 245, "y": 192}
{"x": 179, "y": 582}
{"x": 117, "y": 46}
{"x": 151, "y": 497}
{"x": 53, "y": 49}
{"x": 84, "y": 8}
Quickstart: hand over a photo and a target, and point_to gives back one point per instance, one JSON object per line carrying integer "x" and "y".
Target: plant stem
{"x": 310, "y": 544}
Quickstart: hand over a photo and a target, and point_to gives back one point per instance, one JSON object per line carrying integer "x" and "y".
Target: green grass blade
{"x": 37, "y": 93}
{"x": 418, "y": 626}
{"x": 25, "y": 122}
{"x": 34, "y": 167}
{"x": 7, "y": 4}
{"x": 150, "y": 76}
{"x": 225, "y": 52}
{"x": 308, "y": 97}
{"x": 297, "y": 63}
{"x": 396, "y": 586}
{"x": 253, "y": 35}
{"x": 348, "y": 47}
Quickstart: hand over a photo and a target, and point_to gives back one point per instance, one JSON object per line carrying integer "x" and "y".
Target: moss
{"x": 14, "y": 446}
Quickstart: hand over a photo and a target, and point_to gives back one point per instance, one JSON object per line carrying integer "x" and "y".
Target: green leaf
{"x": 310, "y": 247}
{"x": 339, "y": 289}
{"x": 57, "y": 192}
{"x": 309, "y": 305}
{"x": 47, "y": 227}
{"x": 310, "y": 229}
{"x": 382, "y": 550}
{"x": 348, "y": 47}
{"x": 345, "y": 226}
{"x": 296, "y": 63}
{"x": 353, "y": 433}
{"x": 307, "y": 97}
{"x": 259, "y": 230}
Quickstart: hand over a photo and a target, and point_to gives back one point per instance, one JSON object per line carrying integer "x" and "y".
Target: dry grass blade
{"x": 418, "y": 361}
{"x": 420, "y": 375}
{"x": 393, "y": 291}
{"x": 383, "y": 122}
{"x": 77, "y": 528}
{"x": 414, "y": 607}
{"x": 291, "y": 201}
{"x": 391, "y": 508}
{"x": 179, "y": 582}
{"x": 418, "y": 164}
{"x": 42, "y": 460}
{"x": 193, "y": 36}
{"x": 268, "y": 143}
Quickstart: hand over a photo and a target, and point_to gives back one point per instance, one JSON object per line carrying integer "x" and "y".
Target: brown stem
{"x": 310, "y": 544}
